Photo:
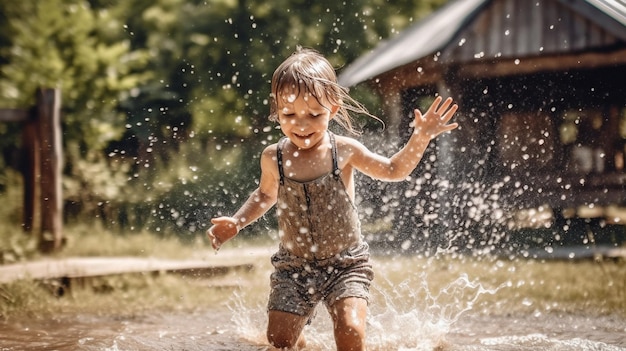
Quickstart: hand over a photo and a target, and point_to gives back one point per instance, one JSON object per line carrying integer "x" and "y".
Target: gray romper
{"x": 322, "y": 256}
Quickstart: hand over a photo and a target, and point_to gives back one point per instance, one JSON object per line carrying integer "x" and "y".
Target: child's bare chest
{"x": 307, "y": 166}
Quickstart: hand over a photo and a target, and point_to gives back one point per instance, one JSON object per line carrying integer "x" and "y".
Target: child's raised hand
{"x": 223, "y": 229}
{"x": 436, "y": 119}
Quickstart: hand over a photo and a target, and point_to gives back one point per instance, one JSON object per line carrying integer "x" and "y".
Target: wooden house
{"x": 541, "y": 86}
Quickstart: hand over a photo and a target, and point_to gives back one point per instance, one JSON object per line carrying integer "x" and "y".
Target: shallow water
{"x": 218, "y": 330}
{"x": 412, "y": 311}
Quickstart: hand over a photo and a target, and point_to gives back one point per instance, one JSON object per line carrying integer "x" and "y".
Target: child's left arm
{"x": 426, "y": 127}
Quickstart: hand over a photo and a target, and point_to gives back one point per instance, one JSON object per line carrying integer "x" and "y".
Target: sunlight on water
{"x": 407, "y": 316}
{"x": 413, "y": 315}
{"x": 416, "y": 304}
{"x": 400, "y": 322}
{"x": 543, "y": 342}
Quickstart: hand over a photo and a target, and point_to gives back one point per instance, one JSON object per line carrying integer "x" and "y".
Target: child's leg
{"x": 284, "y": 330}
{"x": 349, "y": 318}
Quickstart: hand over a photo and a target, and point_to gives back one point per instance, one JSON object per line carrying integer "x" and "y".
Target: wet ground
{"x": 412, "y": 312}
{"x": 221, "y": 329}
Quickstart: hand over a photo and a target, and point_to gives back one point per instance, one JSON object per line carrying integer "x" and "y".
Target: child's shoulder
{"x": 271, "y": 148}
{"x": 342, "y": 139}
{"x": 270, "y": 151}
{"x": 345, "y": 142}
{"x": 269, "y": 159}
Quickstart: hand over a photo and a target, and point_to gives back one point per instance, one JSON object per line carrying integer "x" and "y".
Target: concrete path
{"x": 217, "y": 264}
{"x": 86, "y": 267}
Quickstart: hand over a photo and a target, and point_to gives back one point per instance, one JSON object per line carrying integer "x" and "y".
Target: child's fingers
{"x": 220, "y": 220}
{"x": 223, "y": 229}
{"x": 418, "y": 114}
{"x": 435, "y": 105}
{"x": 448, "y": 115}
{"x": 450, "y": 127}
{"x": 435, "y": 121}
{"x": 215, "y": 243}
{"x": 442, "y": 109}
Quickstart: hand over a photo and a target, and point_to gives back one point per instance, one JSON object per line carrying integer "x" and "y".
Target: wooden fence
{"x": 42, "y": 148}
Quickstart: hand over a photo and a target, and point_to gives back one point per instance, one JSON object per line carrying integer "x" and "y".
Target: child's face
{"x": 303, "y": 119}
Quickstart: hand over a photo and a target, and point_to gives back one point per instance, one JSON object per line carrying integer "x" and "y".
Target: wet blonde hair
{"x": 307, "y": 71}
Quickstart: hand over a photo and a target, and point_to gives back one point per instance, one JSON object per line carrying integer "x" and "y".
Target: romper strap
{"x": 336, "y": 170}
{"x": 279, "y": 158}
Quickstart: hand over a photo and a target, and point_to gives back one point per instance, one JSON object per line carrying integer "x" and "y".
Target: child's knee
{"x": 350, "y": 316}
{"x": 350, "y": 328}
{"x": 284, "y": 329}
{"x": 281, "y": 339}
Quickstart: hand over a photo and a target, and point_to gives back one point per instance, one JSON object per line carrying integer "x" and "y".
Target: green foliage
{"x": 15, "y": 245}
{"x": 81, "y": 242}
{"x": 57, "y": 44}
{"x": 153, "y": 89}
{"x": 22, "y": 297}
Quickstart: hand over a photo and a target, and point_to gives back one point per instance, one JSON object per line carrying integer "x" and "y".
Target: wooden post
{"x": 49, "y": 118}
{"x": 31, "y": 170}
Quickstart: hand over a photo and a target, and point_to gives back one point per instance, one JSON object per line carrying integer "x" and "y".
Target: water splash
{"x": 250, "y": 321}
{"x": 414, "y": 316}
{"x": 406, "y": 316}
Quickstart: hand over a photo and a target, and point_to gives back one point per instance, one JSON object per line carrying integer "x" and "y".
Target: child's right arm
{"x": 397, "y": 167}
{"x": 259, "y": 202}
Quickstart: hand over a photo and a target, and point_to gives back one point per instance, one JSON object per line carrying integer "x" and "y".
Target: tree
{"x": 69, "y": 45}
{"x": 154, "y": 88}
{"x": 66, "y": 44}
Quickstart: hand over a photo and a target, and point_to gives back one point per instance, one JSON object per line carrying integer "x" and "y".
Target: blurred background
{"x": 164, "y": 104}
{"x": 162, "y": 109}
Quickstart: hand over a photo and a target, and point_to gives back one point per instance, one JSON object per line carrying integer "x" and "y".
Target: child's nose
{"x": 301, "y": 123}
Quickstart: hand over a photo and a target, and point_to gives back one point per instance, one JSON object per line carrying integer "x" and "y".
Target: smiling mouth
{"x": 304, "y": 136}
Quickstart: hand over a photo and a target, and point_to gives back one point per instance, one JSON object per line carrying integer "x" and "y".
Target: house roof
{"x": 486, "y": 24}
{"x": 614, "y": 8}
